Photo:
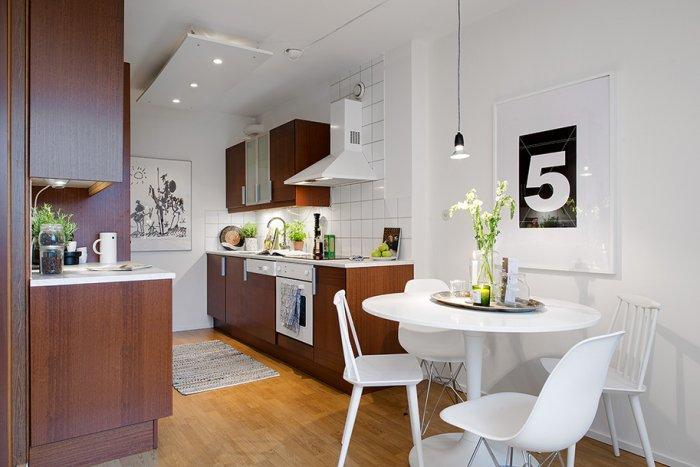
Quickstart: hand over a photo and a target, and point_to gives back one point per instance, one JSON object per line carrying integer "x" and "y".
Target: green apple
{"x": 383, "y": 247}
{"x": 387, "y": 254}
{"x": 376, "y": 254}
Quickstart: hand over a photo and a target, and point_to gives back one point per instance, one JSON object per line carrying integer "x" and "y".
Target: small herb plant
{"x": 46, "y": 215}
{"x": 296, "y": 230}
{"x": 249, "y": 230}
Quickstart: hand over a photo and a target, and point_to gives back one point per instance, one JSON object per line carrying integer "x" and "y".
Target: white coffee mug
{"x": 71, "y": 246}
{"x": 108, "y": 247}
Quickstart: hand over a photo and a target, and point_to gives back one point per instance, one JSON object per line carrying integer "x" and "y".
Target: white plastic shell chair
{"x": 375, "y": 370}
{"x": 637, "y": 316}
{"x": 438, "y": 350}
{"x": 556, "y": 419}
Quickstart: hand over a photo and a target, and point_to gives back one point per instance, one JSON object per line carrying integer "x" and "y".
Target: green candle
{"x": 481, "y": 294}
{"x": 485, "y": 295}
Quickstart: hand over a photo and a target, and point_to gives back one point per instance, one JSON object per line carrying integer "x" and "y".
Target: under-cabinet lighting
{"x": 176, "y": 101}
{"x": 194, "y": 85}
{"x": 217, "y": 61}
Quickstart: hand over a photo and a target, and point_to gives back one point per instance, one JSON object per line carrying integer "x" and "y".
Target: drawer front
{"x": 260, "y": 266}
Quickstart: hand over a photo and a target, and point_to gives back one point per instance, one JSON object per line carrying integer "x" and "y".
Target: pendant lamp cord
{"x": 459, "y": 65}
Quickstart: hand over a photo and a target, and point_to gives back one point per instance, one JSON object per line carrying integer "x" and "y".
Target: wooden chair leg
{"x": 607, "y": 403}
{"x": 642, "y": 428}
{"x": 415, "y": 422}
{"x": 570, "y": 455}
{"x": 349, "y": 423}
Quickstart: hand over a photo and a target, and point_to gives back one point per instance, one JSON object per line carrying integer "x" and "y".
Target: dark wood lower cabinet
{"x": 235, "y": 296}
{"x": 100, "y": 362}
{"x": 259, "y": 308}
{"x": 216, "y": 287}
{"x": 250, "y": 316}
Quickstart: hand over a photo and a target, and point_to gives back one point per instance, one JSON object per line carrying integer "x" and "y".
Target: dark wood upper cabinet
{"x": 76, "y": 89}
{"x": 293, "y": 147}
{"x": 216, "y": 287}
{"x": 235, "y": 176}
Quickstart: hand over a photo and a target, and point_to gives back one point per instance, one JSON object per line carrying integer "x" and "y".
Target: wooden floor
{"x": 295, "y": 420}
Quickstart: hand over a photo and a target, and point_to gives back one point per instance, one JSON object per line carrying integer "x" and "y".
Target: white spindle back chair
{"x": 375, "y": 370}
{"x": 637, "y": 316}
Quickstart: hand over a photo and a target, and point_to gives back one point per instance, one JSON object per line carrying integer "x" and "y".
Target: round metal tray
{"x": 521, "y": 306}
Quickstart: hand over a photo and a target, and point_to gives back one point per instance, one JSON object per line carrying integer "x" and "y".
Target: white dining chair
{"x": 375, "y": 370}
{"x": 637, "y": 316}
{"x": 555, "y": 420}
{"x": 440, "y": 351}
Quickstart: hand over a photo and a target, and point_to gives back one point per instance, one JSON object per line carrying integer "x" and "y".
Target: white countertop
{"x": 80, "y": 274}
{"x": 333, "y": 263}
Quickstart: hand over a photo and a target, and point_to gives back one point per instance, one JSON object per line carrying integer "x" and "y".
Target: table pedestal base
{"x": 455, "y": 449}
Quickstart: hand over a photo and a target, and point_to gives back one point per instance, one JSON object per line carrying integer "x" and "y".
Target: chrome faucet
{"x": 283, "y": 245}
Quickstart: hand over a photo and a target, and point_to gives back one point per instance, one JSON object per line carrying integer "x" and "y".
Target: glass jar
{"x": 485, "y": 271}
{"x": 52, "y": 243}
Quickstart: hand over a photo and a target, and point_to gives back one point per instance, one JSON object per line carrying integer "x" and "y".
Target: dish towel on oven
{"x": 290, "y": 304}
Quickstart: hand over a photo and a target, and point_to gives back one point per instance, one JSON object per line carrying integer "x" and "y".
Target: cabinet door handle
{"x": 269, "y": 190}
{"x": 243, "y": 200}
{"x": 245, "y": 271}
{"x": 257, "y": 192}
{"x": 223, "y": 266}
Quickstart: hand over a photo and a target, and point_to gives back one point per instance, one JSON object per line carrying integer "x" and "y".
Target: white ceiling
{"x": 155, "y": 28}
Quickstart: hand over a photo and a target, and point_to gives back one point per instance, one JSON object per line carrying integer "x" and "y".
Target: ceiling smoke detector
{"x": 294, "y": 54}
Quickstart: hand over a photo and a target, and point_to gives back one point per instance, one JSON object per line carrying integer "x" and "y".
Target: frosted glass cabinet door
{"x": 251, "y": 173}
{"x": 264, "y": 183}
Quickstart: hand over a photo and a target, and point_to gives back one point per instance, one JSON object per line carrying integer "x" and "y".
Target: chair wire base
{"x": 528, "y": 458}
{"x": 450, "y": 385}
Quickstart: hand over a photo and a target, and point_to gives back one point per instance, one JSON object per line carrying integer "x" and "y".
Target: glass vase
{"x": 484, "y": 270}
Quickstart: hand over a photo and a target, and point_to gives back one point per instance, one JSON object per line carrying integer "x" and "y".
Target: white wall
{"x": 653, "y": 48}
{"x": 203, "y": 139}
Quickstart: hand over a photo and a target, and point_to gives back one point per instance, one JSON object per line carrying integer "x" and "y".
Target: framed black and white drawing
{"x": 161, "y": 204}
{"x": 555, "y": 149}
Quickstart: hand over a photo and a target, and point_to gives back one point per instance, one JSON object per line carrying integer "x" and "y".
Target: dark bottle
{"x": 318, "y": 244}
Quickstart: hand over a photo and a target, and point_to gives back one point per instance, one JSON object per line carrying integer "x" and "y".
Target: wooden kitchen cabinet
{"x": 292, "y": 147}
{"x": 216, "y": 286}
{"x": 76, "y": 89}
{"x": 328, "y": 350}
{"x": 260, "y": 306}
{"x": 235, "y": 177}
{"x": 100, "y": 370}
{"x": 235, "y": 293}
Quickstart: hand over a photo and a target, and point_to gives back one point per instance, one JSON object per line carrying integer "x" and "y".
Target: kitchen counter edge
{"x": 77, "y": 275}
{"x": 333, "y": 263}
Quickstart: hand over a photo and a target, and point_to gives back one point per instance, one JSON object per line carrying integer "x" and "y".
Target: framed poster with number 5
{"x": 555, "y": 149}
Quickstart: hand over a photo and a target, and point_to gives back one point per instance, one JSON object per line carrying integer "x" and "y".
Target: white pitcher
{"x": 108, "y": 247}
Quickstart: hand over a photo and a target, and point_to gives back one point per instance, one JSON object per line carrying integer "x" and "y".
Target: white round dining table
{"x": 418, "y": 308}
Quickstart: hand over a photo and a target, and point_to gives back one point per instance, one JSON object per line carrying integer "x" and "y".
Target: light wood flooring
{"x": 295, "y": 420}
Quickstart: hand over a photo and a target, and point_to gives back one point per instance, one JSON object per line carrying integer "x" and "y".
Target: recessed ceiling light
{"x": 194, "y": 85}
{"x": 217, "y": 61}
{"x": 176, "y": 101}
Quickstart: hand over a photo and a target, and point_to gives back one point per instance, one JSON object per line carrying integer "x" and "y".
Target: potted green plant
{"x": 249, "y": 232}
{"x": 296, "y": 231}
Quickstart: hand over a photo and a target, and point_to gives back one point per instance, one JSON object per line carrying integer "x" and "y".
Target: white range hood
{"x": 346, "y": 163}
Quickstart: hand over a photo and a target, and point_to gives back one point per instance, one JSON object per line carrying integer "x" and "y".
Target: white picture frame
{"x": 161, "y": 204}
{"x": 580, "y": 235}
